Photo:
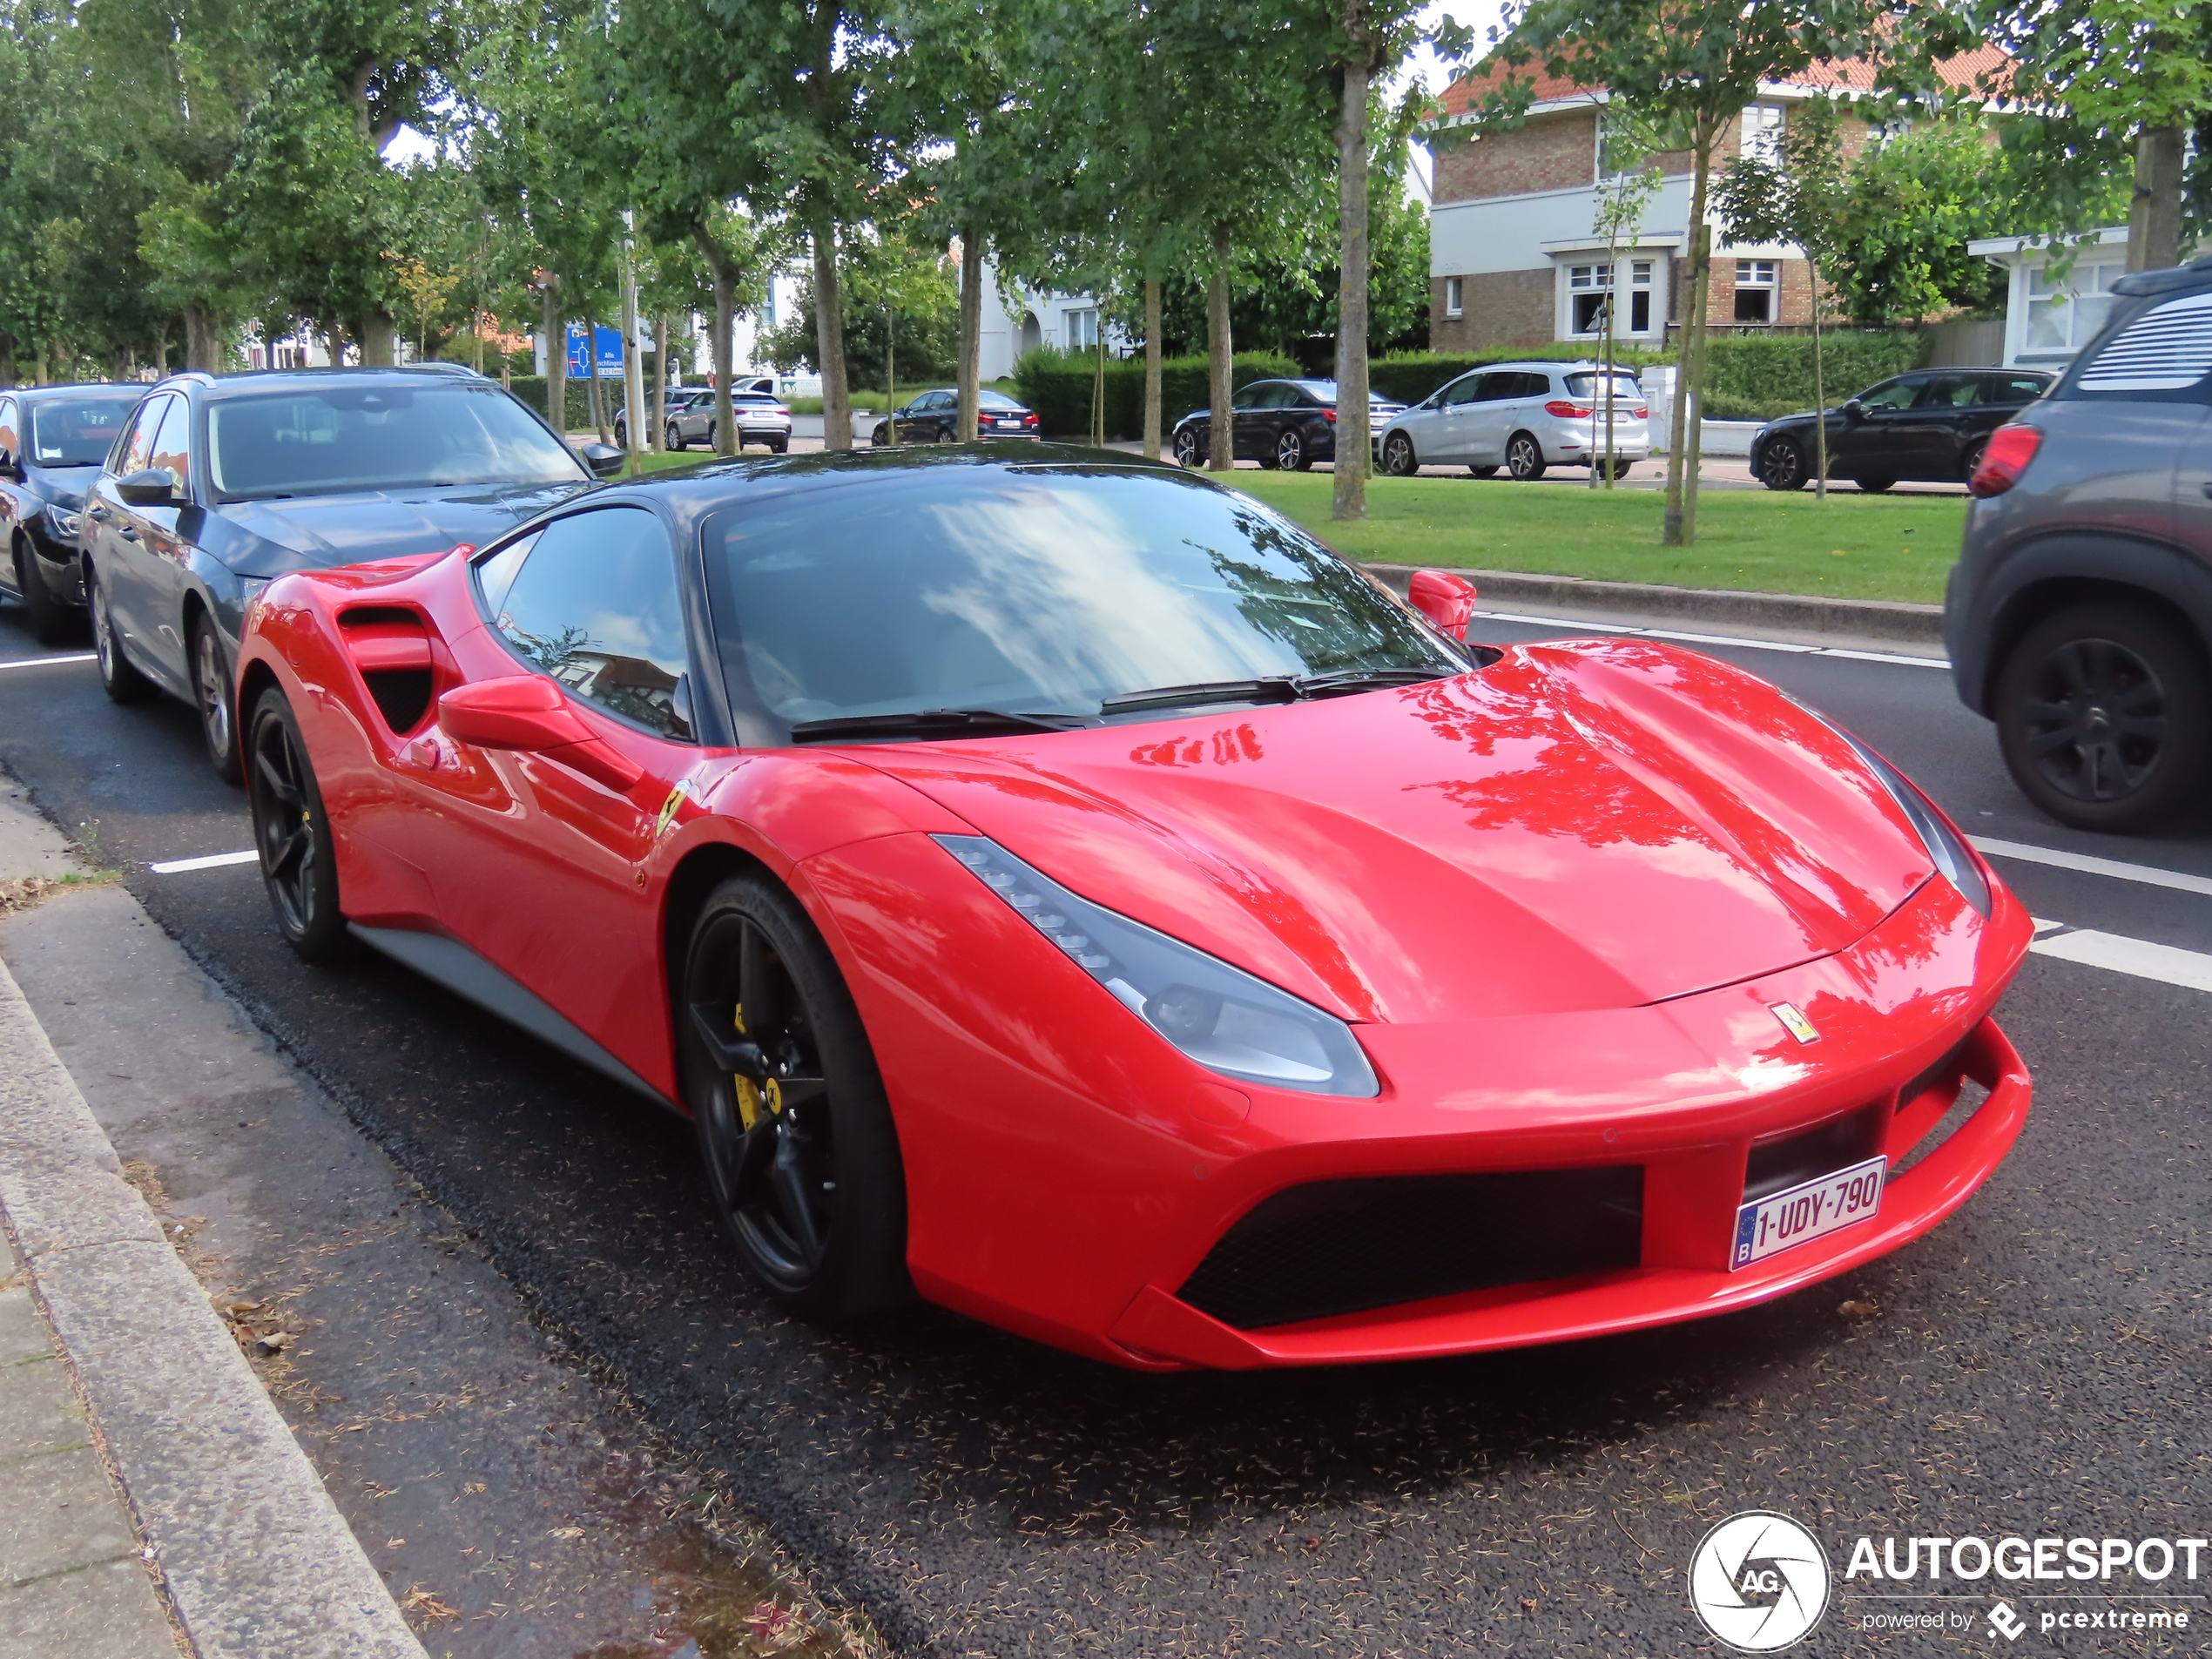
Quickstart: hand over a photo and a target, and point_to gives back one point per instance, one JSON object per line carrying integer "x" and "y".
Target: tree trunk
{"x": 2154, "y": 218}
{"x": 1349, "y": 500}
{"x": 1701, "y": 243}
{"x": 1098, "y": 384}
{"x": 1152, "y": 370}
{"x": 374, "y": 333}
{"x": 829, "y": 336}
{"x": 1222, "y": 452}
{"x": 333, "y": 344}
{"x": 971, "y": 335}
{"x": 1819, "y": 390}
{"x": 594, "y": 401}
{"x": 1683, "y": 449}
{"x": 723, "y": 350}
{"x": 203, "y": 340}
{"x": 557, "y": 358}
{"x": 661, "y": 335}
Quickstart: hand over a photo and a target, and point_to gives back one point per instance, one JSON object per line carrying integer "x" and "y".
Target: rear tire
{"x": 1783, "y": 466}
{"x": 1290, "y": 452}
{"x": 50, "y": 620}
{"x": 1524, "y": 457}
{"x": 803, "y": 1164}
{"x": 1483, "y": 472}
{"x": 1969, "y": 463}
{"x": 1398, "y": 458}
{"x": 674, "y": 440}
{"x": 1186, "y": 447}
{"x": 292, "y": 833}
{"x": 212, "y": 697}
{"x": 2104, "y": 718}
{"x": 122, "y": 683}
{"x": 1874, "y": 486}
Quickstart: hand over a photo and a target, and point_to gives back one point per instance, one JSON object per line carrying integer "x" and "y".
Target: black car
{"x": 1290, "y": 424}
{"x": 931, "y": 417}
{"x": 52, "y": 441}
{"x": 1929, "y": 425}
{"x": 222, "y": 483}
{"x": 2078, "y": 617}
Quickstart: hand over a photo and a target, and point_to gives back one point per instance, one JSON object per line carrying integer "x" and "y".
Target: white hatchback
{"x": 1523, "y": 417}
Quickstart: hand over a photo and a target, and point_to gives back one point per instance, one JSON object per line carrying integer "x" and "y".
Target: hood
{"x": 64, "y": 486}
{"x": 1594, "y": 824}
{"x": 317, "y": 532}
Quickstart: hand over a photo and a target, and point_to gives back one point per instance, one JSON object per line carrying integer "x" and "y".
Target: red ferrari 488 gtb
{"x": 1058, "y": 885}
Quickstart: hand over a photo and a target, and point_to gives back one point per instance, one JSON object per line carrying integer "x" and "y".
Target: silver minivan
{"x": 1523, "y": 417}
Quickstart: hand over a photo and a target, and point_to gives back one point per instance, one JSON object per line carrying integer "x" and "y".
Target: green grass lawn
{"x": 1851, "y": 546}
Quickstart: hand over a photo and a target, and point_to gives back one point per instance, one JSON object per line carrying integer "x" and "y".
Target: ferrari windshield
{"x": 341, "y": 440}
{"x": 78, "y": 431}
{"x": 1040, "y": 590}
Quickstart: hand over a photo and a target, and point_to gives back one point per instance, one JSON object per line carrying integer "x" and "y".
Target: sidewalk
{"x": 116, "y": 1371}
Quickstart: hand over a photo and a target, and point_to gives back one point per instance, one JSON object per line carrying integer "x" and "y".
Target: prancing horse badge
{"x": 1793, "y": 1022}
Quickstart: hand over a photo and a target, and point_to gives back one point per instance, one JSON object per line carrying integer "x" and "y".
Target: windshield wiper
{"x": 1274, "y": 688}
{"x": 931, "y": 723}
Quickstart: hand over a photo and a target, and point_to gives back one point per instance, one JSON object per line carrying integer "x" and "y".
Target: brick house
{"x": 1514, "y": 262}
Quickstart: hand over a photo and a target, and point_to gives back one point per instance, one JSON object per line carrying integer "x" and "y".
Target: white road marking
{"x": 2043, "y": 926}
{"x": 2166, "y": 963}
{"x": 213, "y": 861}
{"x": 2150, "y": 875}
{"x": 1683, "y": 638}
{"x": 48, "y": 662}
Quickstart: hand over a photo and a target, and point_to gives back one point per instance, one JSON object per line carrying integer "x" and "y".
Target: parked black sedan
{"x": 220, "y": 483}
{"x": 931, "y": 417}
{"x": 52, "y": 439}
{"x": 1290, "y": 424}
{"x": 1929, "y": 425}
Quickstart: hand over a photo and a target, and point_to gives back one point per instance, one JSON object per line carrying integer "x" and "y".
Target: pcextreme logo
{"x": 1759, "y": 1581}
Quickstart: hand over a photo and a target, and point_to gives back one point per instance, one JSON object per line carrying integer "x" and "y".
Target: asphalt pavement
{"x": 2037, "y": 1365}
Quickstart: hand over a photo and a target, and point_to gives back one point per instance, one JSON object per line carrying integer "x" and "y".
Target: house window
{"x": 1455, "y": 296}
{"x": 1082, "y": 330}
{"x": 1762, "y": 132}
{"x": 1757, "y": 282}
{"x": 2065, "y": 313}
{"x": 1589, "y": 289}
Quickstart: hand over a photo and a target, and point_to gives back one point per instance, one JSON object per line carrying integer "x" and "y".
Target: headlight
{"x": 66, "y": 522}
{"x": 251, "y": 588}
{"x": 1951, "y": 853}
{"x": 1220, "y": 1016}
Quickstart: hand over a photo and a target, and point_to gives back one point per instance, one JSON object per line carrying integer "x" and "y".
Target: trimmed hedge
{"x": 1057, "y": 385}
{"x": 1407, "y": 377}
{"x": 531, "y": 389}
{"x": 1757, "y": 377}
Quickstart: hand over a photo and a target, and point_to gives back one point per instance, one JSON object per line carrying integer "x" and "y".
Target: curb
{"x": 257, "y": 1562}
{"x": 1793, "y": 612}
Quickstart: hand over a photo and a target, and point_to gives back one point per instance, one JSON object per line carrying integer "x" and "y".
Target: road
{"x": 2036, "y": 1365}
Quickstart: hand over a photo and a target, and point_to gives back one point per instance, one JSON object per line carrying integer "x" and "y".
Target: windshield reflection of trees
{"x": 1328, "y": 615}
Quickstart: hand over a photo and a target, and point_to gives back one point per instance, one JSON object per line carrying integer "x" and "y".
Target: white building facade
{"x": 2049, "y": 317}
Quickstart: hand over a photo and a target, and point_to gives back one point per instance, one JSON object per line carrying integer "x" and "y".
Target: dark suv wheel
{"x": 2103, "y": 716}
{"x": 1783, "y": 466}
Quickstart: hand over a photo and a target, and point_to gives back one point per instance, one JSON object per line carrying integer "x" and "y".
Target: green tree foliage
{"x": 901, "y": 323}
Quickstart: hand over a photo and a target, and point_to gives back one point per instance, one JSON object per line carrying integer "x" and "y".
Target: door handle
{"x": 97, "y": 515}
{"x": 128, "y": 534}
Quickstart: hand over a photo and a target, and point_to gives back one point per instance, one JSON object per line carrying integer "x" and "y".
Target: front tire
{"x": 1524, "y": 457}
{"x": 1482, "y": 472}
{"x": 211, "y": 697}
{"x": 1186, "y": 447}
{"x": 1969, "y": 463}
{"x": 292, "y": 833}
{"x": 49, "y": 621}
{"x": 1783, "y": 466}
{"x": 802, "y": 1160}
{"x": 1398, "y": 458}
{"x": 1290, "y": 452}
{"x": 2103, "y": 718}
{"x": 122, "y": 683}
{"x": 673, "y": 439}
{"x": 1874, "y": 486}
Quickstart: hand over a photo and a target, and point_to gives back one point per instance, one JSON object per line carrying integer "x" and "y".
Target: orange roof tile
{"x": 1964, "y": 72}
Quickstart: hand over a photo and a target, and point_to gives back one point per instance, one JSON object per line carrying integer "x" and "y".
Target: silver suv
{"x": 1523, "y": 417}
{"x": 2078, "y": 617}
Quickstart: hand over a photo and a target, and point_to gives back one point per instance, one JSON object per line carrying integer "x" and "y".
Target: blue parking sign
{"x": 609, "y": 353}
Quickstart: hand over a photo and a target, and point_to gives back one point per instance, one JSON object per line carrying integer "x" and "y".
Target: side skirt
{"x": 453, "y": 965}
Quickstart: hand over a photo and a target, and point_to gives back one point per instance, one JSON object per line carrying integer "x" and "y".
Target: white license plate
{"x": 1809, "y": 1210}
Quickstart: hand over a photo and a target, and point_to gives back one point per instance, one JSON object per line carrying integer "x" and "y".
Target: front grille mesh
{"x": 1333, "y": 1247}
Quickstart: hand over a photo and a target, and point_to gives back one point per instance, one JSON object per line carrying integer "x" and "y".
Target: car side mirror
{"x": 151, "y": 487}
{"x": 1445, "y": 599}
{"x": 1854, "y": 410}
{"x": 604, "y": 460}
{"x": 528, "y": 712}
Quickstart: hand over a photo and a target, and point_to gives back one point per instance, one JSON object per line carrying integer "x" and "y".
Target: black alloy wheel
{"x": 1783, "y": 466}
{"x": 1524, "y": 457}
{"x": 1875, "y": 485}
{"x": 122, "y": 682}
{"x": 1483, "y": 472}
{"x": 1186, "y": 447}
{"x": 1398, "y": 458}
{"x": 210, "y": 695}
{"x": 710, "y": 438}
{"x": 801, "y": 1154}
{"x": 1969, "y": 463}
{"x": 292, "y": 833}
{"x": 674, "y": 439}
{"x": 50, "y": 620}
{"x": 880, "y": 438}
{"x": 1290, "y": 452}
{"x": 2103, "y": 718}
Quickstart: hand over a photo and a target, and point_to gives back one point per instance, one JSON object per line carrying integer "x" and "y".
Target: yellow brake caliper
{"x": 751, "y": 1096}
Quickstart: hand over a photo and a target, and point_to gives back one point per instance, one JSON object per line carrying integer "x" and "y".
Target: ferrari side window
{"x": 594, "y": 604}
